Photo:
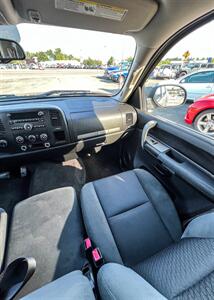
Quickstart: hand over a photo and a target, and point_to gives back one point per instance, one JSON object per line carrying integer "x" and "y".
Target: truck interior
{"x": 112, "y": 202}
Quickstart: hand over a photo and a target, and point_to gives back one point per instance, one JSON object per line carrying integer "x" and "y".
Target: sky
{"x": 200, "y": 43}
{"x": 99, "y": 45}
{"x": 79, "y": 43}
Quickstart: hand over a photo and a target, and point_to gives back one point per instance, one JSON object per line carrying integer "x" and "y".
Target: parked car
{"x": 200, "y": 114}
{"x": 108, "y": 70}
{"x": 198, "y": 84}
{"x": 120, "y": 76}
{"x": 192, "y": 67}
{"x": 166, "y": 71}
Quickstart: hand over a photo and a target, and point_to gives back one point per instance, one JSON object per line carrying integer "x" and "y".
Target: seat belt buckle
{"x": 87, "y": 245}
{"x": 97, "y": 258}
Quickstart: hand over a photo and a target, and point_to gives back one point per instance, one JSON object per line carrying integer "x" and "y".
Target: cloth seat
{"x": 72, "y": 286}
{"x": 133, "y": 221}
{"x": 48, "y": 228}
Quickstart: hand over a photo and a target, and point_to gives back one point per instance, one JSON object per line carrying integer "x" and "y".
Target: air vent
{"x": 2, "y": 129}
{"x": 129, "y": 119}
{"x": 55, "y": 118}
{"x": 59, "y": 135}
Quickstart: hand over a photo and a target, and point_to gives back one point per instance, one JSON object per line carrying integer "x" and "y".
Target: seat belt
{"x": 15, "y": 276}
{"x": 95, "y": 261}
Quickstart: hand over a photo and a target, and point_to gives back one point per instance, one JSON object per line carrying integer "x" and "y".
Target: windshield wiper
{"x": 60, "y": 93}
{"x": 7, "y": 95}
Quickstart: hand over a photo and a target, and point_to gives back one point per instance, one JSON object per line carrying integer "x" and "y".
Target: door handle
{"x": 149, "y": 125}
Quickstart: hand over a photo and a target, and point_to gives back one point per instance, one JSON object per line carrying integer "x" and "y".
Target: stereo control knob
{"x": 28, "y": 126}
{"x": 32, "y": 138}
{"x": 40, "y": 113}
{"x": 3, "y": 144}
{"x": 43, "y": 137}
{"x": 19, "y": 139}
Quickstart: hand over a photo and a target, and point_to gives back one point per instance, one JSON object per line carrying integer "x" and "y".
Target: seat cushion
{"x": 47, "y": 227}
{"x": 184, "y": 270}
{"x": 129, "y": 216}
{"x": 72, "y": 286}
{"x": 118, "y": 282}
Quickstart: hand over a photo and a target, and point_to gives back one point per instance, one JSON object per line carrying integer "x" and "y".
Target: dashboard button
{"x": 19, "y": 139}
{"x": 32, "y": 138}
{"x": 43, "y": 137}
{"x": 24, "y": 148}
{"x": 28, "y": 126}
{"x": 3, "y": 144}
{"x": 47, "y": 145}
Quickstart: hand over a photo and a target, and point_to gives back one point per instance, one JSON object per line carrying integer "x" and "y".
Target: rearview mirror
{"x": 169, "y": 95}
{"x": 10, "y": 50}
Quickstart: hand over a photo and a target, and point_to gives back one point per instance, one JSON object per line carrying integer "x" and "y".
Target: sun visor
{"x": 103, "y": 15}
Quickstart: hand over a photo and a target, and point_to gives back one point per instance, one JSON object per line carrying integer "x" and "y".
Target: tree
{"x": 90, "y": 62}
{"x": 129, "y": 59}
{"x": 111, "y": 61}
{"x": 58, "y": 55}
{"x": 50, "y": 54}
{"x": 41, "y": 56}
{"x": 165, "y": 62}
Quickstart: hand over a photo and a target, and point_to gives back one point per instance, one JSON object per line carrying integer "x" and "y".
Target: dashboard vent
{"x": 129, "y": 119}
{"x": 2, "y": 129}
{"x": 55, "y": 118}
{"x": 59, "y": 135}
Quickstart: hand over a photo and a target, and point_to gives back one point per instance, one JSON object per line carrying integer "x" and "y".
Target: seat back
{"x": 129, "y": 216}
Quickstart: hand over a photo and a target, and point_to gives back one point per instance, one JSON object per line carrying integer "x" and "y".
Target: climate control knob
{"x": 28, "y": 126}
{"x": 32, "y": 138}
{"x": 43, "y": 137}
{"x": 19, "y": 139}
{"x": 3, "y": 144}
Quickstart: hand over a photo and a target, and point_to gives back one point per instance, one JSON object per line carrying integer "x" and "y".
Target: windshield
{"x": 67, "y": 60}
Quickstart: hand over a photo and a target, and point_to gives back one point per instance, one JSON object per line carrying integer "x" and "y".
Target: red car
{"x": 201, "y": 115}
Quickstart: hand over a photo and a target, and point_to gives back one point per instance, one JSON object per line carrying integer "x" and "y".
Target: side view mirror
{"x": 10, "y": 50}
{"x": 168, "y": 95}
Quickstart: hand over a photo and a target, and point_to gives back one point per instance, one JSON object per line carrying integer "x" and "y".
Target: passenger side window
{"x": 192, "y": 68}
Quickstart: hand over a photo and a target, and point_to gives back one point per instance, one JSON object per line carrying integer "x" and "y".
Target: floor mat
{"x": 102, "y": 164}
{"x": 48, "y": 176}
{"x": 12, "y": 191}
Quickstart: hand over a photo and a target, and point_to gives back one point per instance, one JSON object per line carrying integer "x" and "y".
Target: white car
{"x": 198, "y": 83}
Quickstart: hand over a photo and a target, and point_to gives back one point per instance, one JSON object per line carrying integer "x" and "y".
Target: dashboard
{"x": 30, "y": 129}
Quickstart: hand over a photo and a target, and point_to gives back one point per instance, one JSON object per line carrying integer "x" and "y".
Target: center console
{"x": 28, "y": 130}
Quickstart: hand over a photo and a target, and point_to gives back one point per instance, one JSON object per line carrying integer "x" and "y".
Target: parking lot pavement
{"x": 175, "y": 114}
{"x": 23, "y": 82}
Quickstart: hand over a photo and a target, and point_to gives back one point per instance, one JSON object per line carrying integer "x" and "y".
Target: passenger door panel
{"x": 181, "y": 159}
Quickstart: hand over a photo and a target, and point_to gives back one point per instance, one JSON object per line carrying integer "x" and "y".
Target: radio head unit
{"x": 32, "y": 129}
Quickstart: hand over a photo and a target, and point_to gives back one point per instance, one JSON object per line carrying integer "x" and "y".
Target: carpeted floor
{"x": 47, "y": 176}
